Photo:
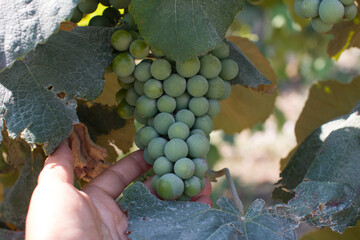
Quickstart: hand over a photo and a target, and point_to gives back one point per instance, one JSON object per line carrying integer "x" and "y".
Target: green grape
{"x": 170, "y": 186}
{"x": 125, "y": 110}
{"x": 139, "y": 49}
{"x": 185, "y": 116}
{"x": 156, "y": 147}
{"x": 142, "y": 71}
{"x": 131, "y": 96}
{"x": 192, "y": 186}
{"x": 229, "y": 69}
{"x": 120, "y": 4}
{"x": 184, "y": 198}
{"x": 214, "y": 108}
{"x": 137, "y": 141}
{"x": 210, "y": 66}
{"x": 127, "y": 79}
{"x": 347, "y": 2}
{"x": 146, "y": 134}
{"x": 203, "y": 183}
{"x": 123, "y": 65}
{"x": 146, "y": 107}
{"x": 199, "y": 131}
{"x": 125, "y": 85}
{"x": 309, "y": 8}
{"x": 88, "y": 6}
{"x": 154, "y": 181}
{"x": 135, "y": 35}
{"x": 182, "y": 102}
{"x": 184, "y": 168}
{"x": 216, "y": 88}
{"x": 166, "y": 104}
{"x": 76, "y": 16}
{"x": 227, "y": 91}
{"x": 160, "y": 69}
{"x": 129, "y": 21}
{"x": 320, "y": 26}
{"x": 198, "y": 145}
{"x": 140, "y": 119}
{"x": 201, "y": 167}
{"x": 222, "y": 51}
{"x": 162, "y": 122}
{"x": 113, "y": 14}
{"x": 153, "y": 88}
{"x": 350, "y": 12}
{"x": 100, "y": 21}
{"x": 175, "y": 85}
{"x": 162, "y": 165}
{"x": 105, "y": 2}
{"x": 178, "y": 130}
{"x": 139, "y": 87}
{"x": 199, "y": 106}
{"x": 151, "y": 122}
{"x": 297, "y": 8}
{"x": 147, "y": 158}
{"x": 176, "y": 149}
{"x": 331, "y": 11}
{"x": 188, "y": 68}
{"x": 157, "y": 53}
{"x": 121, "y": 40}
{"x": 197, "y": 86}
{"x": 120, "y": 95}
{"x": 204, "y": 123}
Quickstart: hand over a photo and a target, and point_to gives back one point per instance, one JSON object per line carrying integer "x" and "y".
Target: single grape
{"x": 139, "y": 118}
{"x": 123, "y": 65}
{"x": 154, "y": 181}
{"x": 347, "y": 2}
{"x": 128, "y": 79}
{"x": 297, "y": 8}
{"x": 129, "y": 21}
{"x": 125, "y": 110}
{"x": 156, "y": 147}
{"x": 199, "y": 106}
{"x": 142, "y": 71}
{"x": 137, "y": 141}
{"x": 139, "y": 49}
{"x": 199, "y": 131}
{"x": 216, "y": 88}
{"x": 182, "y": 102}
{"x": 201, "y": 167}
{"x": 151, "y": 122}
{"x": 121, "y": 40}
{"x": 188, "y": 68}
{"x": 184, "y": 168}
{"x": 76, "y": 16}
{"x": 310, "y": 8}
{"x": 125, "y": 85}
{"x": 227, "y": 91}
{"x": 166, "y": 104}
{"x": 88, "y": 6}
{"x": 331, "y": 11}
{"x": 197, "y": 86}
{"x": 198, "y": 145}
{"x": 160, "y": 69}
{"x": 113, "y": 14}
{"x": 203, "y": 183}
{"x": 320, "y": 26}
{"x": 350, "y": 12}
{"x": 100, "y": 21}
{"x": 204, "y": 123}
{"x": 131, "y": 96}
{"x": 192, "y": 186}
{"x": 184, "y": 198}
{"x": 214, "y": 108}
{"x": 170, "y": 186}
{"x": 153, "y": 88}
{"x": 120, "y": 95}
{"x": 185, "y": 116}
{"x": 162, "y": 122}
{"x": 178, "y": 130}
{"x": 105, "y": 2}
{"x": 146, "y": 107}
{"x": 139, "y": 87}
{"x": 120, "y": 4}
{"x": 162, "y": 165}
{"x": 147, "y": 158}
{"x": 146, "y": 134}
{"x": 175, "y": 85}
{"x": 229, "y": 69}
{"x": 135, "y": 35}
{"x": 222, "y": 51}
{"x": 210, "y": 66}
{"x": 176, "y": 149}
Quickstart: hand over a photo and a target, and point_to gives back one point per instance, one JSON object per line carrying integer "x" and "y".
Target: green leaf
{"x": 11, "y": 235}
{"x": 38, "y": 93}
{"x": 151, "y": 218}
{"x": 183, "y": 29}
{"x": 27, "y": 23}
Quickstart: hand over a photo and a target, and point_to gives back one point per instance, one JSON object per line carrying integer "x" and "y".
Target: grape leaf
{"x": 27, "y": 23}
{"x": 183, "y": 29}
{"x": 11, "y": 235}
{"x": 328, "y": 194}
{"x": 151, "y": 218}
{"x": 38, "y": 93}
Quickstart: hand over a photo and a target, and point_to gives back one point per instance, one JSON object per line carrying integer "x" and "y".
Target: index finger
{"x": 117, "y": 177}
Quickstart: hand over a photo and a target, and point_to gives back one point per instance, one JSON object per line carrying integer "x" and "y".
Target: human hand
{"x": 59, "y": 211}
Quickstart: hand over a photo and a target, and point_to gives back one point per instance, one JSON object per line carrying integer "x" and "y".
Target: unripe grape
{"x": 162, "y": 165}
{"x": 139, "y": 87}
{"x": 166, "y": 104}
{"x": 199, "y": 131}
{"x": 192, "y": 186}
{"x": 100, "y": 21}
{"x": 131, "y": 96}
{"x": 125, "y": 110}
{"x": 204, "y": 123}
{"x": 153, "y": 88}
{"x": 105, "y": 2}
{"x": 184, "y": 168}
{"x": 147, "y": 158}
{"x": 113, "y": 14}
{"x": 184, "y": 198}
{"x": 176, "y": 149}
{"x": 297, "y": 8}
{"x": 139, "y": 49}
{"x": 128, "y": 19}
{"x": 214, "y": 108}
{"x": 178, "y": 130}
{"x": 76, "y": 16}
{"x": 142, "y": 71}
{"x": 88, "y": 6}
{"x": 188, "y": 68}
{"x": 203, "y": 183}
{"x": 199, "y": 106}
{"x": 127, "y": 79}
{"x": 227, "y": 91}
{"x": 197, "y": 86}
{"x": 210, "y": 66}
{"x": 320, "y": 26}
{"x": 160, "y": 69}
{"x": 123, "y": 65}
{"x": 151, "y": 122}
{"x": 121, "y": 40}
{"x": 125, "y": 85}
{"x": 201, "y": 167}
{"x": 140, "y": 119}
{"x": 310, "y": 8}
{"x": 216, "y": 88}
{"x": 222, "y": 51}
{"x": 120, "y": 95}
{"x": 162, "y": 122}
{"x": 182, "y": 102}
{"x": 185, "y": 116}
{"x": 146, "y": 134}
{"x": 146, "y": 107}
{"x": 156, "y": 147}
{"x": 175, "y": 85}
{"x": 137, "y": 141}
{"x": 331, "y": 11}
{"x": 120, "y": 4}
{"x": 350, "y": 12}
{"x": 154, "y": 181}
{"x": 229, "y": 69}
{"x": 347, "y": 2}
{"x": 170, "y": 186}
{"x": 198, "y": 145}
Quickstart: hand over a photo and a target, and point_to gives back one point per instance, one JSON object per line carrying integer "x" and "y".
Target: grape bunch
{"x": 175, "y": 101}
{"x": 326, "y": 13}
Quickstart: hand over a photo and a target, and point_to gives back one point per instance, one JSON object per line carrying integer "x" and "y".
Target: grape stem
{"x": 212, "y": 175}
